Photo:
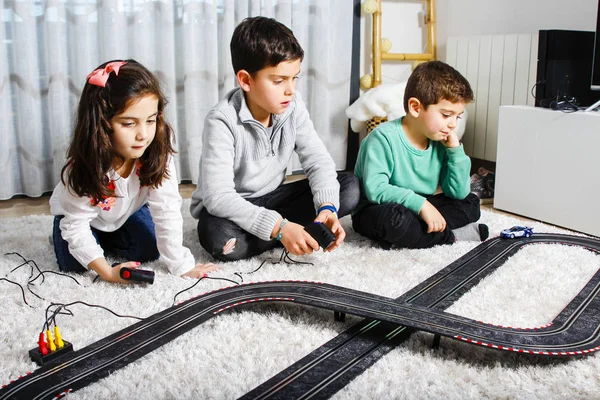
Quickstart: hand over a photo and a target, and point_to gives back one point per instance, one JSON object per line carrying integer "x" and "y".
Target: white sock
{"x": 472, "y": 232}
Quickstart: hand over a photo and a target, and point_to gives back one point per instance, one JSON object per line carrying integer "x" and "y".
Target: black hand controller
{"x": 138, "y": 275}
{"x": 321, "y": 234}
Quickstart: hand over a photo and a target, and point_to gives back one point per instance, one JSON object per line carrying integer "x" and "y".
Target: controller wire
{"x": 284, "y": 257}
{"x": 30, "y": 280}
{"x": 62, "y": 309}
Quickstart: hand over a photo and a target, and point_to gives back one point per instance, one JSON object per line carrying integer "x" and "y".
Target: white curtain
{"x": 48, "y": 47}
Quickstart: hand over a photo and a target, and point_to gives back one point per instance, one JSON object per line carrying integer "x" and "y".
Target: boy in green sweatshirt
{"x": 402, "y": 163}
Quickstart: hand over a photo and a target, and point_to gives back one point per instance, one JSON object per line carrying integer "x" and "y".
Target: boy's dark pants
{"x": 293, "y": 201}
{"x": 393, "y": 224}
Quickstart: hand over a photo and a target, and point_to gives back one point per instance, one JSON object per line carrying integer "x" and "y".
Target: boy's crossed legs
{"x": 226, "y": 241}
{"x": 393, "y": 224}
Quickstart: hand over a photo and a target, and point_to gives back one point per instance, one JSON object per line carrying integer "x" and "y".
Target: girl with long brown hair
{"x": 119, "y": 190}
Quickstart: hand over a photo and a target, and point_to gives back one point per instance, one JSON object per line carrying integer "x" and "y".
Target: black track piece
{"x": 323, "y": 372}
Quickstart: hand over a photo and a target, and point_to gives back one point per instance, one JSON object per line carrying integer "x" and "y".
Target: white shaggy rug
{"x": 233, "y": 353}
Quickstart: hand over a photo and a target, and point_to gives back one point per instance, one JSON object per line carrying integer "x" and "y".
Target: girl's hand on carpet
{"x": 296, "y": 240}
{"x": 331, "y": 220}
{"x": 432, "y": 217}
{"x": 200, "y": 271}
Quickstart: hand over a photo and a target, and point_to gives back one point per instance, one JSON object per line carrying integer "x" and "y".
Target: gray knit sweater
{"x": 241, "y": 160}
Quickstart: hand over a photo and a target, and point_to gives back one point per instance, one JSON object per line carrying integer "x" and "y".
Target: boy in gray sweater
{"x": 249, "y": 137}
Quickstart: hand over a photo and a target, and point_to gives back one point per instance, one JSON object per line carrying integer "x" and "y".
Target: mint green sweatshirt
{"x": 391, "y": 170}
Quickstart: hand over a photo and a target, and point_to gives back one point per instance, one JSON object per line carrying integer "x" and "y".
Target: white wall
{"x": 487, "y": 17}
{"x": 402, "y": 23}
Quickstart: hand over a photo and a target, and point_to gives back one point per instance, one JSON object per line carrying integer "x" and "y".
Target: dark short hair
{"x": 90, "y": 153}
{"x": 260, "y": 42}
{"x": 433, "y": 81}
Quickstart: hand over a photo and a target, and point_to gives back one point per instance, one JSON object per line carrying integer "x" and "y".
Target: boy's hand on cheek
{"x": 297, "y": 241}
{"x": 451, "y": 140}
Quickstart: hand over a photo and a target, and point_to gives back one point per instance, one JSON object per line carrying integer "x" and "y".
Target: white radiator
{"x": 502, "y": 71}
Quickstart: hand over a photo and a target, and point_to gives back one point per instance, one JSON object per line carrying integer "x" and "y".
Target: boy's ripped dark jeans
{"x": 395, "y": 225}
{"x": 226, "y": 241}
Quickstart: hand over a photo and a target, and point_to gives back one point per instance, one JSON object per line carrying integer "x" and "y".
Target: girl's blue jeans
{"x": 134, "y": 241}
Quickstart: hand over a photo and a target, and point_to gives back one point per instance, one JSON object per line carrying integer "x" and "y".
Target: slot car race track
{"x": 575, "y": 331}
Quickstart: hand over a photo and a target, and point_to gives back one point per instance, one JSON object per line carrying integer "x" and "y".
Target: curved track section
{"x": 332, "y": 366}
{"x": 575, "y": 331}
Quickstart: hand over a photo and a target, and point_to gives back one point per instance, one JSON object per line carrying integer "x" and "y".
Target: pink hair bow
{"x": 99, "y": 76}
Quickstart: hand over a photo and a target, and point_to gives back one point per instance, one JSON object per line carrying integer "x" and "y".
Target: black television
{"x": 595, "y": 84}
{"x": 564, "y": 69}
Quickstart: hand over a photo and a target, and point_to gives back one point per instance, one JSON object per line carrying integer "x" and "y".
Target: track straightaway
{"x": 575, "y": 331}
